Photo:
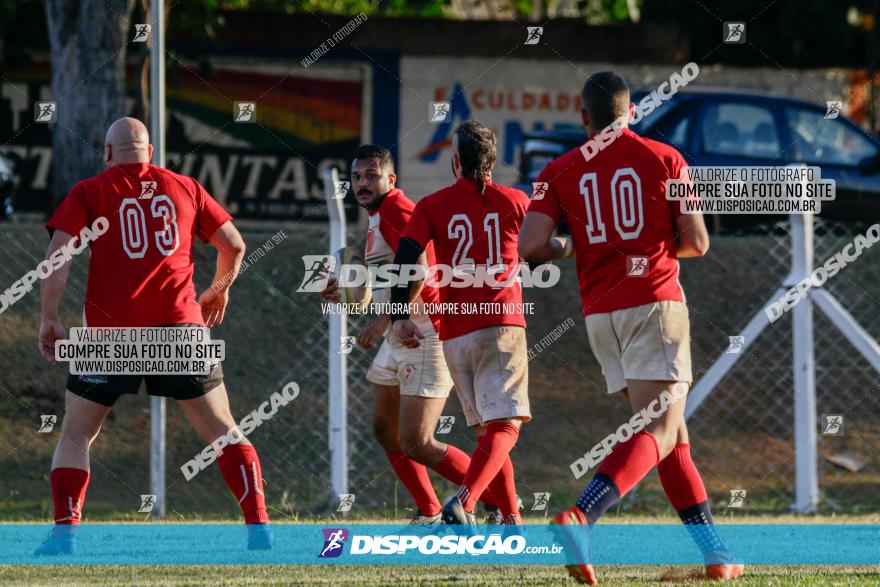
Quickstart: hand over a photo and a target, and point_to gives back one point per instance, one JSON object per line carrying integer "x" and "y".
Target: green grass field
{"x": 449, "y": 575}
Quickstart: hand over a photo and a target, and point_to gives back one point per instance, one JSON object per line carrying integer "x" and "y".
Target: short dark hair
{"x": 605, "y": 97}
{"x": 370, "y": 151}
{"x": 476, "y": 150}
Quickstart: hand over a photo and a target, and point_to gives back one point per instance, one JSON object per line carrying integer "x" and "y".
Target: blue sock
{"x": 599, "y": 495}
{"x": 698, "y": 521}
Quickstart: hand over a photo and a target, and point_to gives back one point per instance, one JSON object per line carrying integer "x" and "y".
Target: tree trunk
{"x": 88, "y": 40}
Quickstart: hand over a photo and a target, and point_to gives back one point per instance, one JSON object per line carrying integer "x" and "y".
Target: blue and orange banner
{"x": 335, "y": 543}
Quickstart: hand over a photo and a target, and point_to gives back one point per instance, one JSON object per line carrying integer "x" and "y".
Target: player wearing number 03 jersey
{"x": 627, "y": 239}
{"x": 141, "y": 275}
{"x": 473, "y": 225}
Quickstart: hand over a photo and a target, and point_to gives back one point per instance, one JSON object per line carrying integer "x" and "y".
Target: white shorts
{"x": 650, "y": 342}
{"x": 491, "y": 373}
{"x": 421, "y": 372}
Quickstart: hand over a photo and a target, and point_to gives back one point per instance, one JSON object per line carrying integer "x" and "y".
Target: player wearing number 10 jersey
{"x": 627, "y": 239}
{"x": 141, "y": 275}
{"x": 474, "y": 225}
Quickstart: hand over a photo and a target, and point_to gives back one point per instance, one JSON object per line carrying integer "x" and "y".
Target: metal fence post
{"x": 337, "y": 362}
{"x": 157, "y": 130}
{"x": 804, "y": 367}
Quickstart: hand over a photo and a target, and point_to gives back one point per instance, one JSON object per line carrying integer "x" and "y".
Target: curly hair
{"x": 476, "y": 151}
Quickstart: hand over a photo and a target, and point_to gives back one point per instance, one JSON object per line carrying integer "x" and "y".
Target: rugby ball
{"x": 353, "y": 277}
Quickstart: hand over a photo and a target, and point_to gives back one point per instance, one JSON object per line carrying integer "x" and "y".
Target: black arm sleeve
{"x": 408, "y": 252}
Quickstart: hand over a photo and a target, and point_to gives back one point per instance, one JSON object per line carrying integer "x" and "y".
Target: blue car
{"x": 732, "y": 128}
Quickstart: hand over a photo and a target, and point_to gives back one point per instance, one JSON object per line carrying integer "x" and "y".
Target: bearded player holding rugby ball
{"x": 411, "y": 385}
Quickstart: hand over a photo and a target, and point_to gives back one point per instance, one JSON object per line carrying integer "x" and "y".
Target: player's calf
{"x": 684, "y": 487}
{"x": 421, "y": 446}
{"x": 414, "y": 477}
{"x": 68, "y": 494}
{"x": 385, "y": 432}
{"x": 492, "y": 452}
{"x": 240, "y": 467}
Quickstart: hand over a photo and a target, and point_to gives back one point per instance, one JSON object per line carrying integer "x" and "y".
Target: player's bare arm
{"x": 373, "y": 332}
{"x": 331, "y": 292}
{"x": 51, "y": 290}
{"x": 693, "y": 238}
{"x": 230, "y": 252}
{"x": 404, "y": 329}
{"x": 536, "y": 241}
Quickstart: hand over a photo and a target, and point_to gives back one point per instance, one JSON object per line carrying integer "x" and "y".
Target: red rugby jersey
{"x": 141, "y": 270}
{"x": 386, "y": 227}
{"x": 473, "y": 230}
{"x": 622, "y": 226}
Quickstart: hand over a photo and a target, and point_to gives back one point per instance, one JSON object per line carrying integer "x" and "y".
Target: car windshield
{"x": 826, "y": 140}
{"x": 649, "y": 121}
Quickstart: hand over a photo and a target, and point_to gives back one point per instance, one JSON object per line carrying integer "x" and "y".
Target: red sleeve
{"x": 393, "y": 221}
{"x": 522, "y": 205}
{"x": 678, "y": 167}
{"x": 419, "y": 226}
{"x": 210, "y": 215}
{"x": 72, "y": 215}
{"x": 544, "y": 198}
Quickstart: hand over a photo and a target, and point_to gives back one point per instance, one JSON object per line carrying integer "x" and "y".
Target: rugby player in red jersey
{"x": 627, "y": 239}
{"x": 141, "y": 275}
{"x": 473, "y": 225}
{"x": 411, "y": 385}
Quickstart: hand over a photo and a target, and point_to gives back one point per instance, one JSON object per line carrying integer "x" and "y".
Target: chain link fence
{"x": 742, "y": 434}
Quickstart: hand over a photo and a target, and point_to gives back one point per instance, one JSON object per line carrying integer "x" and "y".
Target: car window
{"x": 826, "y": 140}
{"x": 536, "y": 164}
{"x": 659, "y": 115}
{"x": 673, "y": 132}
{"x": 742, "y": 130}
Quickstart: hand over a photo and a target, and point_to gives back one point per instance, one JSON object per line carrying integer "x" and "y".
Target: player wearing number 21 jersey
{"x": 474, "y": 225}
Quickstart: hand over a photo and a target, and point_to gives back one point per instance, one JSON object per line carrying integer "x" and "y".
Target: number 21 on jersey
{"x": 626, "y": 205}
{"x": 135, "y": 236}
{"x": 460, "y": 229}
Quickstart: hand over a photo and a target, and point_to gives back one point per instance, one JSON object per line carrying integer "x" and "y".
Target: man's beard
{"x": 374, "y": 205}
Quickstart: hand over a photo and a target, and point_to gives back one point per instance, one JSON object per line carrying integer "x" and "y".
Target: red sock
{"x": 680, "y": 479}
{"x": 414, "y": 477}
{"x": 68, "y": 494}
{"x": 453, "y": 467}
{"x": 240, "y": 467}
{"x": 630, "y": 461}
{"x": 503, "y": 489}
{"x": 492, "y": 451}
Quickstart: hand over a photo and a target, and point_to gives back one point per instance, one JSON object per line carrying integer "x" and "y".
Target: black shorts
{"x": 106, "y": 389}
